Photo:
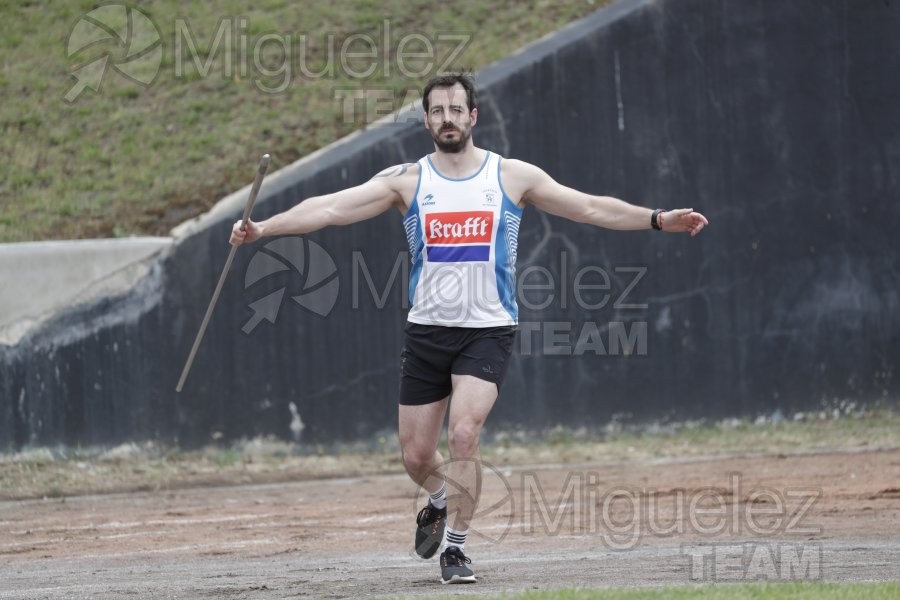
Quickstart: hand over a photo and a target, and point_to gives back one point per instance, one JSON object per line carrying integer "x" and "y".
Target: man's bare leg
{"x": 471, "y": 403}
{"x": 420, "y": 431}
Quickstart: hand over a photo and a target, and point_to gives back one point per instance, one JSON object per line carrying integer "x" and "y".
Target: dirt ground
{"x": 833, "y": 516}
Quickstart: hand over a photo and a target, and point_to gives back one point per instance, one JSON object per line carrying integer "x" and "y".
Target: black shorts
{"x": 432, "y": 353}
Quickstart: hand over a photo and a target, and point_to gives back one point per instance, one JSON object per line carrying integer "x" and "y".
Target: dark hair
{"x": 449, "y": 80}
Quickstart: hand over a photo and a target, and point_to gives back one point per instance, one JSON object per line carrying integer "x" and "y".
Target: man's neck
{"x": 459, "y": 164}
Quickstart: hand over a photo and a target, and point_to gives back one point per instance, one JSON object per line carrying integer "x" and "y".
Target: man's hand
{"x": 244, "y": 235}
{"x": 682, "y": 219}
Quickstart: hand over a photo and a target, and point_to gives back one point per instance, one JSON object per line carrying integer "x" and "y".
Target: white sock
{"x": 455, "y": 538}
{"x": 439, "y": 498}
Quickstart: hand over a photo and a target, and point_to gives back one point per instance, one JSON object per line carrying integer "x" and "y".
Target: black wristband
{"x": 654, "y": 219}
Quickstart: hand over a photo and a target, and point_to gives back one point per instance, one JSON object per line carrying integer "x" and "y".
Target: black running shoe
{"x": 453, "y": 567}
{"x": 430, "y": 530}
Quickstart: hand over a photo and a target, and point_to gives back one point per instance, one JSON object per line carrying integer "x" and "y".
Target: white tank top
{"x": 463, "y": 236}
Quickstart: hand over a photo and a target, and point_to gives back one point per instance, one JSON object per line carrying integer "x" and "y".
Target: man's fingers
{"x": 698, "y": 227}
{"x": 237, "y": 234}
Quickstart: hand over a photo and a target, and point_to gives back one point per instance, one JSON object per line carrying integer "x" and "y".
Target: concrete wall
{"x": 776, "y": 119}
{"x": 45, "y": 277}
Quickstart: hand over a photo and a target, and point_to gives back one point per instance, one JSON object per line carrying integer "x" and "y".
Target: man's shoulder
{"x": 515, "y": 168}
{"x": 401, "y": 179}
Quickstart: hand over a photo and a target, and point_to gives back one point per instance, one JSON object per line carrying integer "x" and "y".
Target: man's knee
{"x": 417, "y": 459}
{"x": 463, "y": 438}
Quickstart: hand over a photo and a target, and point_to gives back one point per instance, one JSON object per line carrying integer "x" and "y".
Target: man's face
{"x": 449, "y": 120}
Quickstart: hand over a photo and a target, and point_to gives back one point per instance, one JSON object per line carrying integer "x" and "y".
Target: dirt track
{"x": 831, "y": 516}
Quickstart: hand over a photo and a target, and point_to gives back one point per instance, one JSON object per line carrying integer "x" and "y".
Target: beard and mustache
{"x": 451, "y": 146}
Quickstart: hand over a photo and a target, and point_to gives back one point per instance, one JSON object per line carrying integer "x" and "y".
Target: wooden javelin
{"x": 254, "y": 190}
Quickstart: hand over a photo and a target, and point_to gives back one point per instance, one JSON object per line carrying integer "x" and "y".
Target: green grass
{"x": 773, "y": 591}
{"x": 42, "y": 472}
{"x": 817, "y": 431}
{"x": 131, "y": 159}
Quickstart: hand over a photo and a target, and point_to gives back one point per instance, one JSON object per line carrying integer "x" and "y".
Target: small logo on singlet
{"x": 490, "y": 197}
{"x": 428, "y": 200}
{"x": 459, "y": 236}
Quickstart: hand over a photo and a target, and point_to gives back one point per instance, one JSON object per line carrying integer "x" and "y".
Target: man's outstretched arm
{"x": 541, "y": 190}
{"x": 347, "y": 206}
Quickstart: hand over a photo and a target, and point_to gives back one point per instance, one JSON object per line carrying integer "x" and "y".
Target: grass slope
{"x": 135, "y": 159}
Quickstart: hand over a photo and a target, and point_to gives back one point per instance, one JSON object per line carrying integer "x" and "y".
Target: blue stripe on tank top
{"x": 411, "y": 222}
{"x": 506, "y": 250}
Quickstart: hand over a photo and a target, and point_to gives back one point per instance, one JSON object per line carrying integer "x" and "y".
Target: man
{"x": 461, "y": 209}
